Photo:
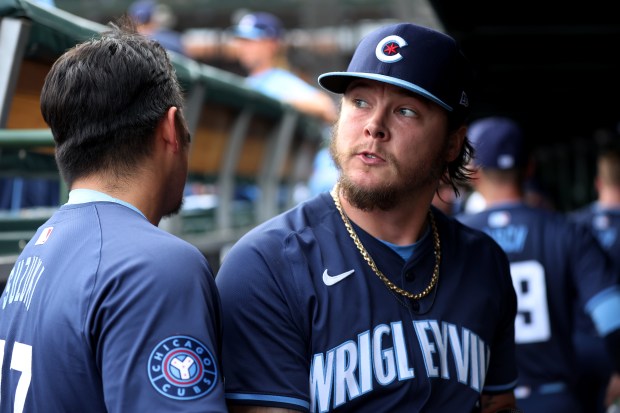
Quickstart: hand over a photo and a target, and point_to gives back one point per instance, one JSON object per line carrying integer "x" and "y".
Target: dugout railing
{"x": 249, "y": 152}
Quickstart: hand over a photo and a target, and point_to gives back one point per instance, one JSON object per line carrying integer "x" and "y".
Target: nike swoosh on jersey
{"x": 333, "y": 279}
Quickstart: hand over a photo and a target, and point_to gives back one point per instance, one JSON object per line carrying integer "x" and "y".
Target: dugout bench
{"x": 249, "y": 152}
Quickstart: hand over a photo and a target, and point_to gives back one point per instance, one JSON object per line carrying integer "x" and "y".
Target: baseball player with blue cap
{"x": 259, "y": 47}
{"x": 366, "y": 298}
{"x": 554, "y": 264}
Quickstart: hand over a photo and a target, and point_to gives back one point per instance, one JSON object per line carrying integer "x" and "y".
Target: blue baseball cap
{"x": 141, "y": 11}
{"x": 261, "y": 25}
{"x": 498, "y": 142}
{"x": 416, "y": 58}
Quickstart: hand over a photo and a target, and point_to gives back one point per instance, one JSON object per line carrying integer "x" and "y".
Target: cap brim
{"x": 249, "y": 33}
{"x": 337, "y": 82}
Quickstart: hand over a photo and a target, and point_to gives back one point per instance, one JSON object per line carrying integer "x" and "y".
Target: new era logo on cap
{"x": 416, "y": 58}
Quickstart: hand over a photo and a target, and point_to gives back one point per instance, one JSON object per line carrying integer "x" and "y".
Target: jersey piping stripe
{"x": 278, "y": 399}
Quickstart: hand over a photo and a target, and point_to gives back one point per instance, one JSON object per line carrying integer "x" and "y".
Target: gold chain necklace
{"x": 391, "y": 286}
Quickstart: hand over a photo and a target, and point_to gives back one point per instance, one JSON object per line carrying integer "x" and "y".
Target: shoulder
{"x": 131, "y": 243}
{"x": 292, "y": 223}
{"x": 464, "y": 227}
{"x": 467, "y": 240}
{"x": 274, "y": 247}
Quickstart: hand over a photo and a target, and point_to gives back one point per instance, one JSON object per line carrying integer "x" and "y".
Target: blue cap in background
{"x": 498, "y": 143}
{"x": 142, "y": 11}
{"x": 259, "y": 25}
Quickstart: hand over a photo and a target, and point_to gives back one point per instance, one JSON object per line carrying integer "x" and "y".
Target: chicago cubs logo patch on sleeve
{"x": 182, "y": 368}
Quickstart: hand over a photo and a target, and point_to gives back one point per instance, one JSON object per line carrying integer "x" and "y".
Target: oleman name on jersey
{"x": 347, "y": 371}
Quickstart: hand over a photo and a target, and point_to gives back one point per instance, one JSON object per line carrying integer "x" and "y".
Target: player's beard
{"x": 411, "y": 178}
{"x": 175, "y": 210}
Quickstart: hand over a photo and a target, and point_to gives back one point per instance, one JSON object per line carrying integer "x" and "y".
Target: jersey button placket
{"x": 409, "y": 276}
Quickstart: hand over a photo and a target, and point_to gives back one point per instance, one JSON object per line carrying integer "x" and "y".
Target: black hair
{"x": 103, "y": 100}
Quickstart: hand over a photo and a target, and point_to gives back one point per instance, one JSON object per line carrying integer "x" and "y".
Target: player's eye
{"x": 410, "y": 113}
{"x": 360, "y": 103}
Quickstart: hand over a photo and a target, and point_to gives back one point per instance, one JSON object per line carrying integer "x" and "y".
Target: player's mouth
{"x": 370, "y": 157}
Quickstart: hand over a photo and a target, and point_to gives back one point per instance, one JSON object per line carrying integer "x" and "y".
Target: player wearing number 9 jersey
{"x": 103, "y": 311}
{"x": 553, "y": 264}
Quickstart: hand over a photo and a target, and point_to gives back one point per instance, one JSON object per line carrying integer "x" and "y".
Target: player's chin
{"x": 372, "y": 178}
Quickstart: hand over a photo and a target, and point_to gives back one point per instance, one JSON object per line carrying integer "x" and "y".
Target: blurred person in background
{"x": 603, "y": 217}
{"x": 155, "y": 20}
{"x": 258, "y": 41}
{"x": 259, "y": 46}
{"x": 553, "y": 263}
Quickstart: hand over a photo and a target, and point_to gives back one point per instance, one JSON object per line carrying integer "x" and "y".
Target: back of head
{"x": 259, "y": 25}
{"x": 499, "y": 144}
{"x": 103, "y": 100}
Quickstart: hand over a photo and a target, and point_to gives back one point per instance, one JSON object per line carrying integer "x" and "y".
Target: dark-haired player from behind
{"x": 368, "y": 299}
{"x": 103, "y": 311}
{"x": 553, "y": 264}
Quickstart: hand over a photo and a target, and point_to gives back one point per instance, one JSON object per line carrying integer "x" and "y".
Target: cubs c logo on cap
{"x": 388, "y": 48}
{"x": 182, "y": 368}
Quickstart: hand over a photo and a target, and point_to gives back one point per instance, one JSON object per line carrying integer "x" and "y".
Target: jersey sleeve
{"x": 264, "y": 348}
{"x": 155, "y": 329}
{"x": 593, "y": 273}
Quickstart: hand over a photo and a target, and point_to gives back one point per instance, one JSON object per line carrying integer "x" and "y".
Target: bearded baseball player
{"x": 367, "y": 299}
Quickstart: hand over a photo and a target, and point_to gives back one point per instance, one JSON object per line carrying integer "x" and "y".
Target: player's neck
{"x": 609, "y": 197}
{"x": 261, "y": 68}
{"x": 402, "y": 225}
{"x": 140, "y": 195}
{"x": 499, "y": 193}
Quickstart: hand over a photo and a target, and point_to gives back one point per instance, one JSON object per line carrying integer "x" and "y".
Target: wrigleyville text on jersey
{"x": 380, "y": 356}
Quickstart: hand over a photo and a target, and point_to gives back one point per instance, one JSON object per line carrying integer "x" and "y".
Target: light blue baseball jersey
{"x": 104, "y": 312}
{"x": 309, "y": 326}
{"x": 281, "y": 84}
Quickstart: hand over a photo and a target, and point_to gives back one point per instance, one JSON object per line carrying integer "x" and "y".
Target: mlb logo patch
{"x": 45, "y": 234}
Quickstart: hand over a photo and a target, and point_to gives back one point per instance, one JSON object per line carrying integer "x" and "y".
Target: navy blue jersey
{"x": 595, "y": 364}
{"x": 309, "y": 326}
{"x": 605, "y": 223}
{"x": 554, "y": 264}
{"x": 104, "y": 312}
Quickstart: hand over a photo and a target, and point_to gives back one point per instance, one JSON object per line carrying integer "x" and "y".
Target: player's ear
{"x": 455, "y": 143}
{"x": 168, "y": 129}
